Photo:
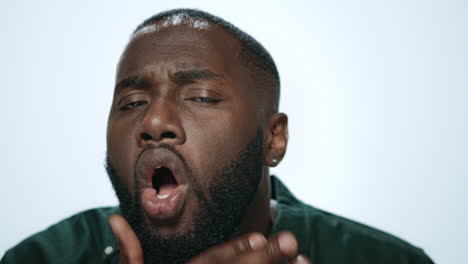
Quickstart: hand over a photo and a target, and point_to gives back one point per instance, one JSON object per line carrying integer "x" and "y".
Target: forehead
{"x": 179, "y": 44}
{"x": 176, "y": 20}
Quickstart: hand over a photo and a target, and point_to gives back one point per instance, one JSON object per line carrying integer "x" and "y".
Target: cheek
{"x": 215, "y": 142}
{"x": 121, "y": 151}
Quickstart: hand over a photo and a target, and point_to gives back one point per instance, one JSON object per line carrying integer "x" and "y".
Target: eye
{"x": 132, "y": 101}
{"x": 132, "y": 105}
{"x": 204, "y": 100}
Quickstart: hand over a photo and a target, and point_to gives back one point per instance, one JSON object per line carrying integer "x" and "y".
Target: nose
{"x": 161, "y": 124}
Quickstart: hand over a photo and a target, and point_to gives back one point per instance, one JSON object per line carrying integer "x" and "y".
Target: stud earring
{"x": 274, "y": 160}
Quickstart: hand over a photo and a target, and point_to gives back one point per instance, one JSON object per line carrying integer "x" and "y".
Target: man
{"x": 193, "y": 128}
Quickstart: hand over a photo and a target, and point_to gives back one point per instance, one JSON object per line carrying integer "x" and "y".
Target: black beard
{"x": 220, "y": 214}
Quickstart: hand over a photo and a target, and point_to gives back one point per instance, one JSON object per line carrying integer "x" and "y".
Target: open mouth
{"x": 164, "y": 182}
{"x": 161, "y": 177}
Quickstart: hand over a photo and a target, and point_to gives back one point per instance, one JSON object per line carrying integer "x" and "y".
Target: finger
{"x": 232, "y": 249}
{"x": 281, "y": 247}
{"x": 301, "y": 259}
{"x": 130, "y": 248}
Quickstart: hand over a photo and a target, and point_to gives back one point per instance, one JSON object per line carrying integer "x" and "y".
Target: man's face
{"x": 185, "y": 142}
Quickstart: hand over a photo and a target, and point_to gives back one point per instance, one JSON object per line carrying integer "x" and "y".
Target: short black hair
{"x": 252, "y": 52}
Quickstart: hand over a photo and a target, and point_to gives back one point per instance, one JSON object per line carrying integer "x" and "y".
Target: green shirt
{"x": 324, "y": 237}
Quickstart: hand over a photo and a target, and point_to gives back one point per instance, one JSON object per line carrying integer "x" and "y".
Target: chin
{"x": 170, "y": 228}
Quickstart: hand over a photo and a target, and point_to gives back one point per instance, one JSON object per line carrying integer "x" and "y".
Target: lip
{"x": 154, "y": 158}
{"x": 161, "y": 207}
{"x": 164, "y": 208}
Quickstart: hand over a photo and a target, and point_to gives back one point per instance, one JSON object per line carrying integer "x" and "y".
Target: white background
{"x": 376, "y": 93}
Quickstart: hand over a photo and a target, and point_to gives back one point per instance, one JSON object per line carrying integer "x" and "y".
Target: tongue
{"x": 166, "y": 189}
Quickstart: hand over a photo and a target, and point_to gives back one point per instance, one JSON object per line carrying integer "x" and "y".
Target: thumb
{"x": 130, "y": 248}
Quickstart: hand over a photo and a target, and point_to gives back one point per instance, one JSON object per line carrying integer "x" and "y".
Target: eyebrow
{"x": 133, "y": 81}
{"x": 192, "y": 76}
{"x": 180, "y": 78}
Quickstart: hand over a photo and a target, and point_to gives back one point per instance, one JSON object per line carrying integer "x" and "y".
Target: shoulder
{"x": 359, "y": 242}
{"x": 82, "y": 236}
{"x": 328, "y": 238}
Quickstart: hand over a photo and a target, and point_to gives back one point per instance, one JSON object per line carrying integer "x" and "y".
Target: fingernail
{"x": 301, "y": 259}
{"x": 257, "y": 241}
{"x": 287, "y": 244}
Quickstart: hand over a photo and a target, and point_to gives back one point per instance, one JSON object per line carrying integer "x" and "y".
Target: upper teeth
{"x": 163, "y": 196}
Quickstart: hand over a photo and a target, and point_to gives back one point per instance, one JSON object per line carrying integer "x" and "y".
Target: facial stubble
{"x": 220, "y": 212}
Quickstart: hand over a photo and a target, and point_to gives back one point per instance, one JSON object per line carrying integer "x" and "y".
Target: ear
{"x": 276, "y": 139}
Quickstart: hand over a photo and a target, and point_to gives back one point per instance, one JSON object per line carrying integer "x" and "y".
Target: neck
{"x": 258, "y": 216}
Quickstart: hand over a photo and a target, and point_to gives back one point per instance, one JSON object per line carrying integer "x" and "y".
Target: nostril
{"x": 145, "y": 136}
{"x": 165, "y": 135}
{"x": 168, "y": 135}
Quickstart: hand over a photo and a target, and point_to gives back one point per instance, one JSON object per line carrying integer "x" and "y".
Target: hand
{"x": 249, "y": 248}
{"x": 130, "y": 247}
{"x": 254, "y": 248}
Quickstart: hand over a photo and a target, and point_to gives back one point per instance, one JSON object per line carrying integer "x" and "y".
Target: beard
{"x": 219, "y": 213}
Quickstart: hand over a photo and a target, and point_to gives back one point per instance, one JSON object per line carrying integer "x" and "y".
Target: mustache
{"x": 165, "y": 146}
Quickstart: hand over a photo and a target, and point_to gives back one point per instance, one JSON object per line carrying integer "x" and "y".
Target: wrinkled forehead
{"x": 183, "y": 40}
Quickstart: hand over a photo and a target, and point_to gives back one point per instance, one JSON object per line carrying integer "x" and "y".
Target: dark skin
{"x": 186, "y": 87}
